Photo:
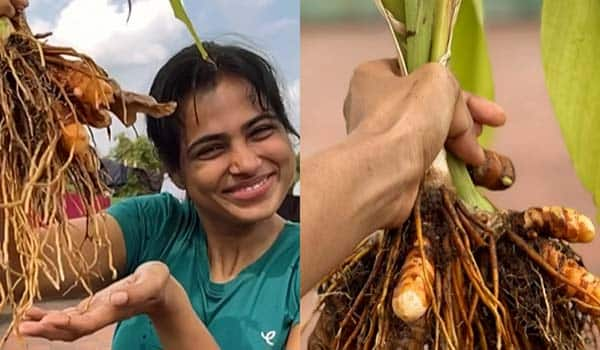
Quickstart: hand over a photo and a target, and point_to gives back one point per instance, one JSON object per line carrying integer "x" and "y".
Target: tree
{"x": 136, "y": 153}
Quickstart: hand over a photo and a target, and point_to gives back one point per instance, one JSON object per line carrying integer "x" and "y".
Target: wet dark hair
{"x": 186, "y": 73}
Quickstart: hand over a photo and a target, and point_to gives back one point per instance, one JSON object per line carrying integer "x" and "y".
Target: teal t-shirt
{"x": 256, "y": 310}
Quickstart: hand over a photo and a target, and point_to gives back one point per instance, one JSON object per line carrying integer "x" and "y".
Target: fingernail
{"x": 118, "y": 298}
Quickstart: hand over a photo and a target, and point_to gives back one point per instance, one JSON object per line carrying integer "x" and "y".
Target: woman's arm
{"x": 149, "y": 290}
{"x": 293, "y": 340}
{"x": 177, "y": 324}
{"x": 77, "y": 230}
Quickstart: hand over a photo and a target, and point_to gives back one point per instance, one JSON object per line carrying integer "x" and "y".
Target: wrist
{"x": 395, "y": 167}
{"x": 171, "y": 302}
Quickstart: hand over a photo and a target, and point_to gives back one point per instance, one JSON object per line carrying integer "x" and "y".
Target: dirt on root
{"x": 478, "y": 299}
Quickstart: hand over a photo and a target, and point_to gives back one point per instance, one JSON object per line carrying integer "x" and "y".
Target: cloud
{"x": 131, "y": 52}
{"x": 245, "y": 4}
{"x": 100, "y": 29}
{"x": 279, "y": 25}
{"x": 40, "y": 25}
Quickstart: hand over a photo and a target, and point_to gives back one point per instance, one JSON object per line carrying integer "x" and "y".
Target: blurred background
{"x": 337, "y": 35}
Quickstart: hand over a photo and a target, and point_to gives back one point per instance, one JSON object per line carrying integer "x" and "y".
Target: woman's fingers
{"x": 35, "y": 314}
{"x": 478, "y": 129}
{"x": 6, "y": 8}
{"x": 55, "y": 325}
{"x": 484, "y": 111}
{"x": 20, "y": 5}
{"x": 462, "y": 136}
{"x": 130, "y": 296}
{"x": 471, "y": 113}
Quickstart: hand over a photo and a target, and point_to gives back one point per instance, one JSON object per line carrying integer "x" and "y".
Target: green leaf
{"x": 181, "y": 14}
{"x": 396, "y": 7}
{"x": 470, "y": 61}
{"x": 571, "y": 50}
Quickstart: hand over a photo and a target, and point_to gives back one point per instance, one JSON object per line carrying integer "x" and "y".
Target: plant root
{"x": 47, "y": 94}
{"x": 496, "y": 286}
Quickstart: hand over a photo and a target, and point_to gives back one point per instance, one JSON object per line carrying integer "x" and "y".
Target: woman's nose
{"x": 244, "y": 160}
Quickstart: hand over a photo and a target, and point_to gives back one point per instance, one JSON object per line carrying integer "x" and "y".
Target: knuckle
{"x": 438, "y": 72}
{"x": 368, "y": 68}
{"x": 362, "y": 68}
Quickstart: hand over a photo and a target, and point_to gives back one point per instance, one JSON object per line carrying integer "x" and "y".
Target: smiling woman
{"x": 221, "y": 267}
{"x": 235, "y": 158}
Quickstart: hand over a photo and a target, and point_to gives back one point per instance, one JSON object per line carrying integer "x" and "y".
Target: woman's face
{"x": 236, "y": 160}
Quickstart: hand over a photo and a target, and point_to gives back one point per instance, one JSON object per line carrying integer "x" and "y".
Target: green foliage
{"x": 396, "y": 8}
{"x": 470, "y": 61}
{"x": 137, "y": 153}
{"x": 181, "y": 14}
{"x": 571, "y": 50}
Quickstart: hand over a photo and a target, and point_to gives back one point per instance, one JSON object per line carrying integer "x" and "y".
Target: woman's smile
{"x": 252, "y": 189}
{"x": 238, "y": 162}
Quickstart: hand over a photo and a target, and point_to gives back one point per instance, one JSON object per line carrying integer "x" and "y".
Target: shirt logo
{"x": 268, "y": 337}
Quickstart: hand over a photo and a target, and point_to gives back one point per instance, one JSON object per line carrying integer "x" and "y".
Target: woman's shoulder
{"x": 292, "y": 227}
{"x": 158, "y": 204}
{"x": 290, "y": 237}
{"x": 163, "y": 198}
{"x": 154, "y": 215}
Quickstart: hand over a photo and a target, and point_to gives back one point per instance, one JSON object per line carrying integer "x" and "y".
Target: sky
{"x": 133, "y": 51}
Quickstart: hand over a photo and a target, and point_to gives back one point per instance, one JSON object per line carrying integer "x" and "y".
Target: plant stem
{"x": 440, "y": 39}
{"x": 419, "y": 22}
{"x": 465, "y": 189}
{"x": 441, "y": 29}
{"x": 429, "y": 25}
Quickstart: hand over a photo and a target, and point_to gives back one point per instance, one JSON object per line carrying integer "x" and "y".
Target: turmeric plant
{"x": 461, "y": 273}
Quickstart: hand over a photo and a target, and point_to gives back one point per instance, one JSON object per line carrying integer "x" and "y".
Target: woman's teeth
{"x": 255, "y": 186}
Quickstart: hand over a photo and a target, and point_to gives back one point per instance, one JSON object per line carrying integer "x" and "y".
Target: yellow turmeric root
{"x": 411, "y": 298}
{"x": 75, "y": 136}
{"x": 497, "y": 173}
{"x": 571, "y": 270}
{"x": 561, "y": 223}
{"x": 95, "y": 95}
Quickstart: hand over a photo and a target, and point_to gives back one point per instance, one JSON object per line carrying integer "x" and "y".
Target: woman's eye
{"x": 209, "y": 152}
{"x": 261, "y": 132}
